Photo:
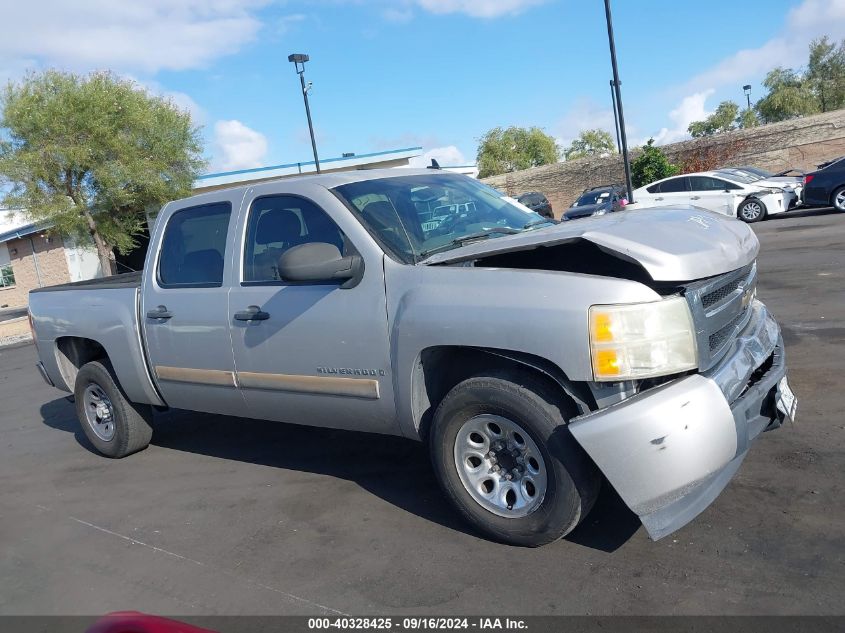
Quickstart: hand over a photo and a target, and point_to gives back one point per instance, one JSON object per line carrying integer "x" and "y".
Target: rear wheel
{"x": 838, "y": 199}
{"x": 114, "y": 425}
{"x": 752, "y": 210}
{"x": 506, "y": 460}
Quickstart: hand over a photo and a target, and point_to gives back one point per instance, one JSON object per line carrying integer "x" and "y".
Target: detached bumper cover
{"x": 670, "y": 451}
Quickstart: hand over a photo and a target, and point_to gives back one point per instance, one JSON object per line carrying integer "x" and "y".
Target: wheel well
{"x": 439, "y": 369}
{"x": 72, "y": 352}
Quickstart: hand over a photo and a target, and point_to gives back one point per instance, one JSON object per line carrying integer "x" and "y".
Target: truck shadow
{"x": 394, "y": 469}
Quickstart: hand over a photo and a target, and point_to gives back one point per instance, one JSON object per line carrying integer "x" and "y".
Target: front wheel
{"x": 114, "y": 425}
{"x": 838, "y": 199}
{"x": 506, "y": 460}
{"x": 752, "y": 210}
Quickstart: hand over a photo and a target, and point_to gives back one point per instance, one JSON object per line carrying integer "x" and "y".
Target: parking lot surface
{"x": 233, "y": 516}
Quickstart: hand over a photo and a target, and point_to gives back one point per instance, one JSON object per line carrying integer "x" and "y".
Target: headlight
{"x": 600, "y": 212}
{"x": 642, "y": 340}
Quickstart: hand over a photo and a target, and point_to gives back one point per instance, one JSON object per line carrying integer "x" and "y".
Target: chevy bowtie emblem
{"x": 699, "y": 220}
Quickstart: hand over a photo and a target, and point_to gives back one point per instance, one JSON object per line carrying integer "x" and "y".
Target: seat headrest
{"x": 278, "y": 225}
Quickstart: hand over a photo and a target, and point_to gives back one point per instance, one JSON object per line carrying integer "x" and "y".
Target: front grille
{"x": 718, "y": 339}
{"x": 720, "y": 309}
{"x": 719, "y": 295}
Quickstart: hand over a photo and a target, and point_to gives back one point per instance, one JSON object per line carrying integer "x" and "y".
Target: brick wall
{"x": 52, "y": 267}
{"x": 799, "y": 143}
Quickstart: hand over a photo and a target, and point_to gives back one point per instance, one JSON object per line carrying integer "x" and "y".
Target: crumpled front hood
{"x": 670, "y": 243}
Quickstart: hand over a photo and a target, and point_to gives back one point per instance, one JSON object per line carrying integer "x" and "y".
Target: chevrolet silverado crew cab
{"x": 534, "y": 359}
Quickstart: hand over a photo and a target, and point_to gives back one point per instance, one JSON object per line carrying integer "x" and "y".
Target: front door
{"x": 319, "y": 353}
{"x": 184, "y": 308}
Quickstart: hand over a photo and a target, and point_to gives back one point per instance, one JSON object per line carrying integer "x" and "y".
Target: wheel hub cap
{"x": 500, "y": 466}
{"x": 99, "y": 412}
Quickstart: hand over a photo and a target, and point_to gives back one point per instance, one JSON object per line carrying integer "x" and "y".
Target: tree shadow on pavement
{"x": 394, "y": 469}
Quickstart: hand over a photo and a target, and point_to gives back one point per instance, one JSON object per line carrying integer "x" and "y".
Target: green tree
{"x": 722, "y": 120}
{"x": 88, "y": 155}
{"x": 651, "y": 165}
{"x": 505, "y": 150}
{"x": 590, "y": 143}
{"x": 787, "y": 98}
{"x": 747, "y": 119}
{"x": 825, "y": 76}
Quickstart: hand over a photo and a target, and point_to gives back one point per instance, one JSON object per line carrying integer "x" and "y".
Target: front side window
{"x": 706, "y": 183}
{"x": 278, "y": 223}
{"x": 194, "y": 246}
{"x": 413, "y": 217}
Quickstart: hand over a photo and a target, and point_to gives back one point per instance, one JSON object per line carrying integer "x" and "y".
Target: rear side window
{"x": 673, "y": 185}
{"x": 194, "y": 246}
{"x": 277, "y": 223}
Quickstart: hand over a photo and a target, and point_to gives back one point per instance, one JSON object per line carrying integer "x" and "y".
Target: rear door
{"x": 713, "y": 194}
{"x": 184, "y": 310}
{"x": 672, "y": 192}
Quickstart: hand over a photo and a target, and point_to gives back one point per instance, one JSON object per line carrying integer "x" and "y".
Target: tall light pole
{"x": 747, "y": 89}
{"x": 618, "y": 93}
{"x": 298, "y": 60}
{"x": 615, "y": 117}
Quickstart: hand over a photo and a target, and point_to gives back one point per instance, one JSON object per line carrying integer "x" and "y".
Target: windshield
{"x": 592, "y": 197}
{"x": 415, "y": 216}
{"x": 757, "y": 171}
{"x": 737, "y": 175}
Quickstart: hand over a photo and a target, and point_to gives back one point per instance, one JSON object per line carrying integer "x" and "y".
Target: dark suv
{"x": 596, "y": 201}
{"x": 537, "y": 202}
{"x": 826, "y": 186}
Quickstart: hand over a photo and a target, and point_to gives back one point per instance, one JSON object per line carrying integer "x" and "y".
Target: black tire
{"x": 751, "y": 210}
{"x": 839, "y": 191}
{"x": 132, "y": 431}
{"x": 573, "y": 480}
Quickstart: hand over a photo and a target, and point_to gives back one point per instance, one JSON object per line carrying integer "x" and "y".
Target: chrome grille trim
{"x": 720, "y": 309}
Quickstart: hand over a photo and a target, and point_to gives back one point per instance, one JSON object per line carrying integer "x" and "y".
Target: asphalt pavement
{"x": 232, "y": 516}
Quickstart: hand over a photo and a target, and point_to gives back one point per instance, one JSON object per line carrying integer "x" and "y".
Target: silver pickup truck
{"x": 535, "y": 359}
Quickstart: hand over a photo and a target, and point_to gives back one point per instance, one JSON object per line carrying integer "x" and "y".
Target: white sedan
{"x": 715, "y": 191}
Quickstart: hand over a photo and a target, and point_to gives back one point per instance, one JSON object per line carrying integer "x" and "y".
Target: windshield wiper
{"x": 472, "y": 237}
{"x": 538, "y": 223}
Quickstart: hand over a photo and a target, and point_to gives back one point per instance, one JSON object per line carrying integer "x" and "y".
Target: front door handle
{"x": 252, "y": 313}
{"x": 658, "y": 198}
{"x": 695, "y": 197}
{"x": 159, "y": 313}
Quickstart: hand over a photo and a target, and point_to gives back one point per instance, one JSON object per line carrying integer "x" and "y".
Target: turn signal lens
{"x": 642, "y": 340}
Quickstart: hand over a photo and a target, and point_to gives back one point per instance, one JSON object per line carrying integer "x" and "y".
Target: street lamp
{"x": 617, "y": 91}
{"x": 747, "y": 89}
{"x": 298, "y": 60}
{"x": 615, "y": 117}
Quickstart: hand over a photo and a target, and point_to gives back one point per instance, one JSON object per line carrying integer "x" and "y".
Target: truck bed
{"x": 126, "y": 280}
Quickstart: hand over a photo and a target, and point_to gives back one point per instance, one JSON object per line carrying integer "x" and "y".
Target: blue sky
{"x": 435, "y": 73}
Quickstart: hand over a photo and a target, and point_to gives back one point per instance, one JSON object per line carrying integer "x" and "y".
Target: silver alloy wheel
{"x": 99, "y": 412}
{"x": 500, "y": 466}
{"x": 751, "y": 210}
{"x": 839, "y": 200}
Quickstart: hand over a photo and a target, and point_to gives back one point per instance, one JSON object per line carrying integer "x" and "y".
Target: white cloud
{"x": 692, "y": 108}
{"x": 807, "y": 21}
{"x": 478, "y": 8}
{"x": 585, "y": 114}
{"x": 145, "y": 36}
{"x": 237, "y": 146}
{"x": 448, "y": 156}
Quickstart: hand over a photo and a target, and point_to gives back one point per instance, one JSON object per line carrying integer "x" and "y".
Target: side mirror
{"x": 320, "y": 261}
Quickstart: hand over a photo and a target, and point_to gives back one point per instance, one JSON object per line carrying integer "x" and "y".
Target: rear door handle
{"x": 159, "y": 313}
{"x": 695, "y": 197}
{"x": 252, "y": 313}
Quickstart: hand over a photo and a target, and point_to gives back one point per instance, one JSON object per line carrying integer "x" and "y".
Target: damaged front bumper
{"x": 670, "y": 451}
